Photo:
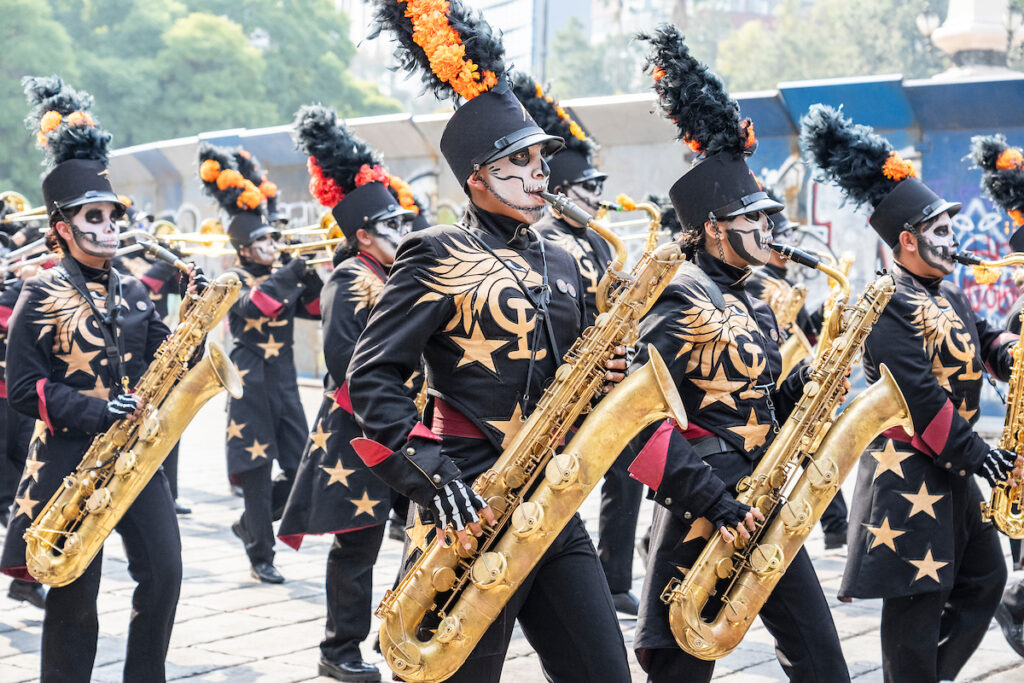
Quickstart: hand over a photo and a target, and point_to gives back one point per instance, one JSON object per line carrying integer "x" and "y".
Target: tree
{"x": 579, "y": 69}
{"x": 37, "y": 45}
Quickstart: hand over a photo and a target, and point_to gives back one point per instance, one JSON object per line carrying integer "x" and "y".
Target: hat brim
{"x": 590, "y": 174}
{"x": 952, "y": 207}
{"x": 261, "y": 233}
{"x": 767, "y": 205}
{"x": 552, "y": 144}
{"x": 94, "y": 197}
{"x": 393, "y": 213}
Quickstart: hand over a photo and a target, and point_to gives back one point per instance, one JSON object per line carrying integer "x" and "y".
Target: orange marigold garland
{"x": 1010, "y": 159}
{"x": 1017, "y": 216}
{"x": 404, "y": 192}
{"x": 444, "y": 49}
{"x": 229, "y": 178}
{"x": 251, "y": 197}
{"x": 896, "y": 168}
{"x": 326, "y": 191}
{"x": 747, "y": 126}
{"x": 268, "y": 189}
{"x": 369, "y": 174}
{"x": 50, "y": 120}
{"x": 209, "y": 170}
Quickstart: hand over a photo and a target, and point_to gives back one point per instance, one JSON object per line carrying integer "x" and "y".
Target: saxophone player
{"x": 268, "y": 422}
{"x": 334, "y": 492}
{"x": 1002, "y": 180}
{"x": 81, "y": 336}
{"x": 574, "y": 174}
{"x": 917, "y": 539}
{"x": 490, "y": 308}
{"x": 721, "y": 344}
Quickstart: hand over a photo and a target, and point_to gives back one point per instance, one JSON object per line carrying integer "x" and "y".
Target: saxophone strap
{"x": 108, "y": 322}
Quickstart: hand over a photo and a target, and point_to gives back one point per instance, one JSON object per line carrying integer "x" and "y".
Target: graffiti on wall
{"x": 983, "y": 231}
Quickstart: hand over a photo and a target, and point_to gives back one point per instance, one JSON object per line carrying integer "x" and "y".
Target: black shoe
{"x": 27, "y": 591}
{"x": 356, "y": 670}
{"x": 626, "y": 603}
{"x": 834, "y": 540}
{"x": 266, "y": 572}
{"x": 1013, "y": 629}
{"x": 239, "y": 531}
{"x": 180, "y": 509}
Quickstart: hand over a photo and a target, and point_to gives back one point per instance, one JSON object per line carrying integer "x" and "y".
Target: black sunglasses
{"x": 592, "y": 186}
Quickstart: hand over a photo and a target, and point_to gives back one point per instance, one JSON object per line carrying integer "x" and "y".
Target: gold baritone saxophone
{"x": 449, "y": 598}
{"x": 1005, "y": 507}
{"x": 712, "y": 607}
{"x": 63, "y": 539}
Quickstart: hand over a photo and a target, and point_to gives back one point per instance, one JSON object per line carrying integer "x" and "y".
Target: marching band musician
{"x": 833, "y": 520}
{"x": 334, "y": 492}
{"x": 1002, "y": 180}
{"x": 721, "y": 346}
{"x": 917, "y": 539}
{"x": 81, "y": 336}
{"x": 573, "y": 174}
{"x": 268, "y": 422}
{"x": 490, "y": 337}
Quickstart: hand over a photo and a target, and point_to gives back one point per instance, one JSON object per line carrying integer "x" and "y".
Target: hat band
{"x": 732, "y": 207}
{"x": 505, "y": 142}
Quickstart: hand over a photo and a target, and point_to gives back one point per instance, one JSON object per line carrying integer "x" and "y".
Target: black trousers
{"x": 616, "y": 527}
{"x": 930, "y": 636}
{"x": 566, "y": 613}
{"x": 350, "y": 592}
{"x": 797, "y": 617}
{"x": 171, "y": 470}
{"x": 1013, "y": 598}
{"x": 15, "y": 435}
{"x": 264, "y": 500}
{"x": 149, "y": 531}
{"x": 834, "y": 518}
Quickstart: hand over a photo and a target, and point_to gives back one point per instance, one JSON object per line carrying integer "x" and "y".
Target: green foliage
{"x": 579, "y": 69}
{"x": 829, "y": 39}
{"x": 174, "y": 68}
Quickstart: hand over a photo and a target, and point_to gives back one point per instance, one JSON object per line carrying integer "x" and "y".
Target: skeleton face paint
{"x": 749, "y": 235}
{"x": 388, "y": 234}
{"x": 587, "y": 193}
{"x": 515, "y": 181}
{"x": 263, "y": 251}
{"x": 94, "y": 231}
{"x": 936, "y": 244}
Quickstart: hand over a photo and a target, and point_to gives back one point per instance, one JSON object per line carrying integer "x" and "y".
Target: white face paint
{"x": 936, "y": 244}
{"x": 750, "y": 236}
{"x": 515, "y": 181}
{"x": 388, "y": 234}
{"x": 263, "y": 251}
{"x": 94, "y": 231}
{"x": 588, "y": 193}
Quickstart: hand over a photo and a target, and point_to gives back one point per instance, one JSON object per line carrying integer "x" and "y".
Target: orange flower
{"x": 540, "y": 91}
{"x": 268, "y": 189}
{"x": 229, "y": 178}
{"x": 250, "y": 198}
{"x": 748, "y": 130}
{"x": 244, "y": 154}
{"x": 324, "y": 189}
{"x": 1010, "y": 158}
{"x": 50, "y": 120}
{"x": 209, "y": 170}
{"x": 692, "y": 144}
{"x": 41, "y": 139}
{"x": 1018, "y": 217}
{"x": 897, "y": 168}
{"x": 576, "y": 131}
{"x": 80, "y": 118}
{"x": 626, "y": 202}
{"x": 658, "y": 73}
{"x": 404, "y": 192}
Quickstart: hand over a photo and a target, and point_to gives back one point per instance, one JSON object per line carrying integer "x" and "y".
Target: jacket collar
{"x": 723, "y": 274}
{"x": 509, "y": 230}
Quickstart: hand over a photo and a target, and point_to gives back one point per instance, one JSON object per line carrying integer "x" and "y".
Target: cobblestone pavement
{"x": 230, "y": 628}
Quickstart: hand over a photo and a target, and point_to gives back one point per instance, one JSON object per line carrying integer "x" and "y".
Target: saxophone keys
{"x": 822, "y": 474}
{"x": 811, "y": 388}
{"x": 796, "y": 516}
{"x": 443, "y": 579}
{"x": 527, "y": 519}
{"x": 73, "y": 543}
{"x": 449, "y": 629}
{"x": 514, "y": 477}
{"x": 766, "y": 559}
{"x": 489, "y": 570}
{"x": 125, "y": 464}
{"x": 724, "y": 567}
{"x": 99, "y": 500}
{"x": 562, "y": 470}
{"x": 736, "y": 612}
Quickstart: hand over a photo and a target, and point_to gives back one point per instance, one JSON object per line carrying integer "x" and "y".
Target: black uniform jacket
{"x": 808, "y": 322}
{"x": 58, "y": 373}
{"x": 455, "y": 297}
{"x": 8, "y": 298}
{"x": 161, "y": 278}
{"x": 262, "y": 323}
{"x": 591, "y": 252}
{"x": 904, "y": 525}
{"x": 721, "y": 347}
{"x": 333, "y": 490}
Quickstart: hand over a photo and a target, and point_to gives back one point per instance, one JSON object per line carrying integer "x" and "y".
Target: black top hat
{"x": 465, "y": 60}
{"x": 575, "y": 163}
{"x": 75, "y": 146}
{"x": 1002, "y": 179}
{"x": 346, "y": 174}
{"x": 870, "y": 172}
{"x": 720, "y": 185}
{"x": 250, "y": 168}
{"x": 238, "y": 196}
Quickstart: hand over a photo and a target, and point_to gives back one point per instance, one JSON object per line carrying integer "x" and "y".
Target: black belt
{"x": 710, "y": 445}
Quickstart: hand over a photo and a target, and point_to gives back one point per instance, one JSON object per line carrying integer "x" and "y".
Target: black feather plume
{"x": 549, "y": 115}
{"x": 249, "y": 166}
{"x": 334, "y": 153}
{"x": 78, "y": 135}
{"x": 49, "y": 93}
{"x": 851, "y": 155}
{"x": 482, "y": 45}
{"x": 228, "y": 196}
{"x": 693, "y": 98}
{"x": 1002, "y": 177}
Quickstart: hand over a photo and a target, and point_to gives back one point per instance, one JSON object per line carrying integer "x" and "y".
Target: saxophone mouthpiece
{"x": 565, "y": 206}
{"x": 966, "y": 258}
{"x": 163, "y": 254}
{"x": 793, "y": 254}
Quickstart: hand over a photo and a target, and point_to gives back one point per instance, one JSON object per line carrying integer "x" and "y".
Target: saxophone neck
{"x": 565, "y": 206}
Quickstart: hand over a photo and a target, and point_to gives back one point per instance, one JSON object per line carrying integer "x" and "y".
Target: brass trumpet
{"x": 17, "y": 200}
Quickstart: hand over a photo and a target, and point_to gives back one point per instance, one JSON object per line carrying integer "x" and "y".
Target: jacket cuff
{"x": 695, "y": 503}
{"x": 417, "y": 470}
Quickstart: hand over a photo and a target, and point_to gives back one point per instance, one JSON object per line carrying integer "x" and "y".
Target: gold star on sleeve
{"x": 364, "y": 505}
{"x": 234, "y": 430}
{"x": 337, "y": 474}
{"x": 320, "y": 437}
{"x": 889, "y": 460}
{"x": 884, "y": 535}
{"x": 927, "y": 566}
{"x": 700, "y": 529}
{"x": 32, "y": 467}
{"x": 922, "y": 501}
{"x": 25, "y": 505}
{"x": 271, "y": 347}
{"x": 718, "y": 389}
{"x": 257, "y": 449}
{"x": 255, "y": 324}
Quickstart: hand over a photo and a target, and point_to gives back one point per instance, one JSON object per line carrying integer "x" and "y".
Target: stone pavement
{"x": 230, "y": 628}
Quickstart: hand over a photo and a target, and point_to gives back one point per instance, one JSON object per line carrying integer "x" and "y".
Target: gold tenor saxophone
{"x": 1005, "y": 507}
{"x": 533, "y": 490}
{"x": 792, "y": 485}
{"x": 62, "y": 541}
